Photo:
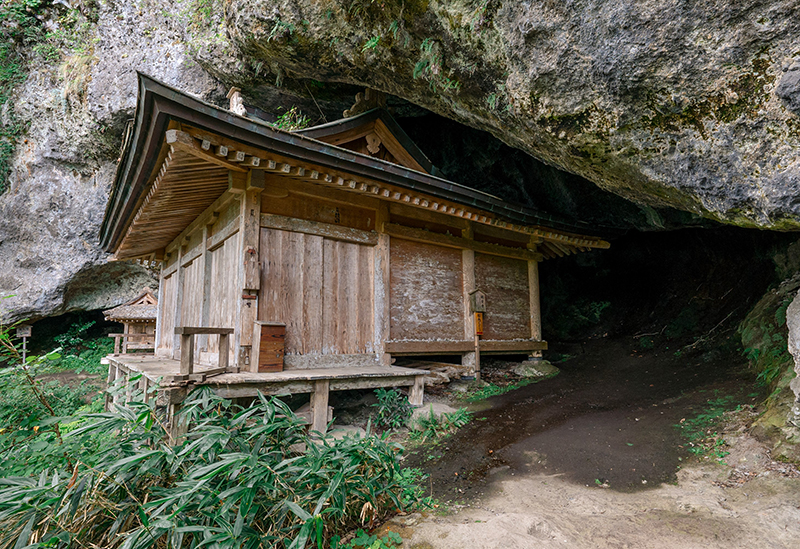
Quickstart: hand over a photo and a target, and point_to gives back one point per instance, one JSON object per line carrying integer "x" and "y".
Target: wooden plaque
{"x": 269, "y": 346}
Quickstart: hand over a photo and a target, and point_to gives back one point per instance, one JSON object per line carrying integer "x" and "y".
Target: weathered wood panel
{"x": 303, "y": 207}
{"x": 223, "y": 290}
{"x": 166, "y": 304}
{"x": 320, "y": 288}
{"x": 192, "y": 302}
{"x": 505, "y": 283}
{"x": 425, "y": 291}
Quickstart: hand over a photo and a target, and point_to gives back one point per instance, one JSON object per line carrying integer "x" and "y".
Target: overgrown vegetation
{"x": 292, "y": 120}
{"x": 764, "y": 338}
{"x": 394, "y": 410}
{"x": 243, "y": 477}
{"x": 492, "y": 389}
{"x": 76, "y": 475}
{"x": 428, "y": 427}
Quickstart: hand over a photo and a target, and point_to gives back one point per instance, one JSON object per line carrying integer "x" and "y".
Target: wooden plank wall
{"x": 425, "y": 291}
{"x": 322, "y": 289}
{"x": 166, "y": 303}
{"x": 192, "y": 302}
{"x": 214, "y": 251}
{"x": 222, "y": 291}
{"x": 505, "y": 282}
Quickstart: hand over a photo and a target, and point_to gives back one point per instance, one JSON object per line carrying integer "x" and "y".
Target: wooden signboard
{"x": 478, "y": 323}
{"x": 24, "y": 330}
{"x": 268, "y": 348}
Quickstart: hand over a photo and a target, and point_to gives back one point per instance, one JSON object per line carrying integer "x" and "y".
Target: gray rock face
{"x": 667, "y": 103}
{"x": 793, "y": 323}
{"x": 789, "y": 88}
{"x": 50, "y": 258}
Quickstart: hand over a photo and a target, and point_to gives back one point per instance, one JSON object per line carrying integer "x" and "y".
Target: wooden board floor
{"x": 230, "y": 385}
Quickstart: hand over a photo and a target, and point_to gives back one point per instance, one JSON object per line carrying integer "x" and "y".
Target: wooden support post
{"x": 536, "y": 316}
{"x": 128, "y": 387}
{"x": 319, "y": 406}
{"x": 177, "y": 428}
{"x": 224, "y": 346}
{"x": 187, "y": 354}
{"x": 112, "y": 372}
{"x": 381, "y": 297}
{"x": 180, "y": 275}
{"x": 417, "y": 391}
{"x": 126, "y": 331}
{"x": 117, "y": 375}
{"x": 116, "y": 345}
{"x": 469, "y": 360}
{"x": 205, "y": 307}
{"x": 144, "y": 385}
{"x": 249, "y": 276}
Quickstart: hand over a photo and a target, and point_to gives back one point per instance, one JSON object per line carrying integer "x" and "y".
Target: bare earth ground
{"x": 592, "y": 459}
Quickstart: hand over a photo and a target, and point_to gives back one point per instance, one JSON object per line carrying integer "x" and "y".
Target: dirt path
{"x": 548, "y": 511}
{"x": 592, "y": 459}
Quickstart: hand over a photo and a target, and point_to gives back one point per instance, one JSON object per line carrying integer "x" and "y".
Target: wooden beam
{"x": 217, "y": 206}
{"x": 185, "y": 142}
{"x": 419, "y": 235}
{"x": 201, "y": 330}
{"x": 220, "y": 237}
{"x": 427, "y": 215}
{"x": 458, "y": 347}
{"x": 429, "y": 347}
{"x": 327, "y": 230}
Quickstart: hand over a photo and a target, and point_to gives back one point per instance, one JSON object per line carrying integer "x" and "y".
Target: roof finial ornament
{"x": 370, "y": 99}
{"x": 236, "y": 102}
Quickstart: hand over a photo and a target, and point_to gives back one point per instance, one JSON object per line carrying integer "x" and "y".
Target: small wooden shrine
{"x": 304, "y": 261}
{"x": 138, "y": 318}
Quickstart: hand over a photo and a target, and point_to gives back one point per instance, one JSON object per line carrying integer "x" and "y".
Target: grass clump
{"x": 492, "y": 389}
{"x": 432, "y": 427}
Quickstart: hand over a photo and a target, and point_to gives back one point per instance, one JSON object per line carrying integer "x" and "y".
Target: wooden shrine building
{"x": 304, "y": 261}
{"x": 138, "y": 318}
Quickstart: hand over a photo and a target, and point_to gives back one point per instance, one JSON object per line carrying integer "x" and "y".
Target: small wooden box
{"x": 269, "y": 346}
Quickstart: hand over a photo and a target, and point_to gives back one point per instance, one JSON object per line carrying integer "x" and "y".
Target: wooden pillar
{"x": 205, "y": 309}
{"x": 536, "y": 315}
{"x": 381, "y": 302}
{"x": 115, "y": 386}
{"x": 112, "y": 376}
{"x": 417, "y": 391}
{"x": 126, "y": 330}
{"x": 319, "y": 406}
{"x": 177, "y": 426}
{"x": 159, "y": 308}
{"x": 187, "y": 354}
{"x": 249, "y": 276}
{"x": 181, "y": 275}
{"x": 469, "y": 360}
{"x": 144, "y": 386}
{"x": 224, "y": 350}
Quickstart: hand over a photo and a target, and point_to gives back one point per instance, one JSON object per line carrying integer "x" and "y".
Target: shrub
{"x": 394, "y": 409}
{"x": 239, "y": 479}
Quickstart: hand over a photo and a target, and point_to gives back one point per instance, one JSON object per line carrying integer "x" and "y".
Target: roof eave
{"x": 158, "y": 104}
